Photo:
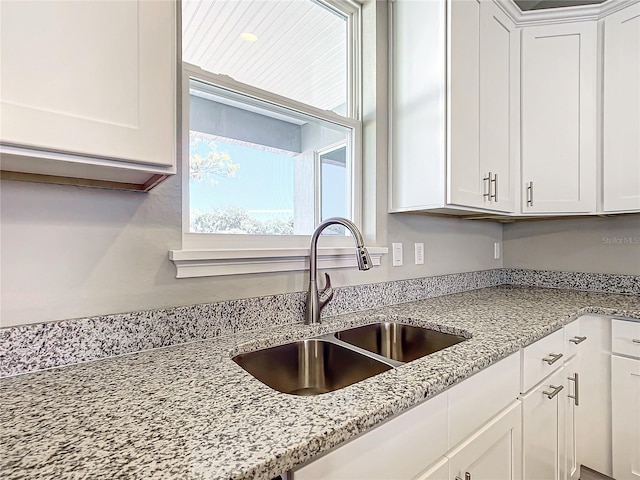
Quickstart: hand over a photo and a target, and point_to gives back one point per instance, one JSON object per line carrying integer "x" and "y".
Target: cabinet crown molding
{"x": 566, "y": 14}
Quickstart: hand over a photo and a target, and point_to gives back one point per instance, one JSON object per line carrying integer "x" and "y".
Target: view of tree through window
{"x": 257, "y": 165}
{"x": 229, "y": 197}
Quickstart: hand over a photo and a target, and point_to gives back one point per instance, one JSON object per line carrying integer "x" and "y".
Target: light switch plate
{"x": 419, "y": 253}
{"x": 397, "y": 254}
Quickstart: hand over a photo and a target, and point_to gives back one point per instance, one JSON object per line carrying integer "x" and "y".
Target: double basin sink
{"x": 333, "y": 361}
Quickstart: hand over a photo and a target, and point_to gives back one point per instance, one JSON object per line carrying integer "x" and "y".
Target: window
{"x": 255, "y": 167}
{"x": 271, "y": 127}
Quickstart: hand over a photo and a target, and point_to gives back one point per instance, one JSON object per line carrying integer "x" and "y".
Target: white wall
{"x": 597, "y": 245}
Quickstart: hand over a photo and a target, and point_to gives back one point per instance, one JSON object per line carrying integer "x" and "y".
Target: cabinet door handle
{"x": 530, "y": 194}
{"x": 467, "y": 476}
{"x": 554, "y": 358}
{"x": 554, "y": 392}
{"x": 576, "y": 380}
{"x": 487, "y": 184}
{"x": 636, "y": 340}
{"x": 495, "y": 188}
{"x": 577, "y": 339}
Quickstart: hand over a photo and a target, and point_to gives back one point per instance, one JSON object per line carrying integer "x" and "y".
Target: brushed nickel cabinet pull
{"x": 467, "y": 476}
{"x": 636, "y": 340}
{"x": 556, "y": 391}
{"x": 530, "y": 194}
{"x": 495, "y": 188}
{"x": 577, "y": 339}
{"x": 576, "y": 380}
{"x": 554, "y": 358}
{"x": 487, "y": 184}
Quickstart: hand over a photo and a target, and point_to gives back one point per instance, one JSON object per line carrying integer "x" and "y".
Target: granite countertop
{"x": 189, "y": 411}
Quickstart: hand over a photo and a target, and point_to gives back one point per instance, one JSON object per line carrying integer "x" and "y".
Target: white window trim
{"x": 218, "y": 262}
{"x": 204, "y": 255}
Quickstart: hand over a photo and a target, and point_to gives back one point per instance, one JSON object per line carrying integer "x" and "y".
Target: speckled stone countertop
{"x": 189, "y": 411}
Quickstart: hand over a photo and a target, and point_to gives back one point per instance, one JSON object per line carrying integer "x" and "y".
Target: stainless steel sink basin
{"x": 309, "y": 367}
{"x": 398, "y": 341}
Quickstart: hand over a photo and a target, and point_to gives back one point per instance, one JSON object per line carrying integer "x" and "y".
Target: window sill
{"x": 212, "y": 263}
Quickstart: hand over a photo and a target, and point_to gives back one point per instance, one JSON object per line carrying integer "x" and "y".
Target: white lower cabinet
{"x": 492, "y": 453}
{"x": 625, "y": 399}
{"x": 400, "y": 448}
{"x": 481, "y": 413}
{"x": 543, "y": 429}
{"x": 579, "y": 405}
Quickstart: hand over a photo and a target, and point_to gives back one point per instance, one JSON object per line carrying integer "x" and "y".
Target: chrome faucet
{"x": 317, "y": 301}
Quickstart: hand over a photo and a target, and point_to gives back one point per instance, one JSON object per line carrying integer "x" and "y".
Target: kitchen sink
{"x": 309, "y": 367}
{"x": 398, "y": 341}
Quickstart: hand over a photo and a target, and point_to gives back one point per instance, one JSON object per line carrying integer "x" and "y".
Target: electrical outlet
{"x": 419, "y": 251}
{"x": 397, "y": 254}
{"x": 496, "y": 250}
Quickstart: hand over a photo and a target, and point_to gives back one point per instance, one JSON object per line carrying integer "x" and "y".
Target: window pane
{"x": 334, "y": 200}
{"x": 295, "y": 48}
{"x": 253, "y": 166}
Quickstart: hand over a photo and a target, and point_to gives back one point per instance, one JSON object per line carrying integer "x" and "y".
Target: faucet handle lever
{"x": 326, "y": 293}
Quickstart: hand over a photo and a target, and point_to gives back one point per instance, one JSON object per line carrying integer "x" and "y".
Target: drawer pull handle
{"x": 556, "y": 391}
{"x": 576, "y": 397}
{"x": 467, "y": 476}
{"x": 554, "y": 358}
{"x": 636, "y": 340}
{"x": 577, "y": 339}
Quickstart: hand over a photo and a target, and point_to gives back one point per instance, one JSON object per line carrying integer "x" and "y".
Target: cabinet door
{"x": 625, "y": 404}
{"x": 493, "y": 452}
{"x": 542, "y": 418}
{"x": 621, "y": 116}
{"x": 499, "y": 72}
{"x": 482, "y": 74}
{"x": 559, "y": 118}
{"x": 98, "y": 79}
{"x": 464, "y": 176}
{"x": 593, "y": 415}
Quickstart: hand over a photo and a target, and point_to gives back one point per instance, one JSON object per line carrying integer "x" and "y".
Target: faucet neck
{"x": 313, "y": 304}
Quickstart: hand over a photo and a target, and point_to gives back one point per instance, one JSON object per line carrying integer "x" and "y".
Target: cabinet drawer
{"x": 480, "y": 397}
{"x": 574, "y": 339}
{"x": 542, "y": 358}
{"x": 401, "y": 448}
{"x": 625, "y": 337}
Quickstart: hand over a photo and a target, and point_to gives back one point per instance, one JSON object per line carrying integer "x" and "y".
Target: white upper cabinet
{"x": 483, "y": 76}
{"x": 454, "y": 74}
{"x": 621, "y": 111}
{"x": 559, "y": 118}
{"x": 89, "y": 89}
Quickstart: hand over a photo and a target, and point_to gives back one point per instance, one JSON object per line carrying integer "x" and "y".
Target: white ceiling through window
{"x": 300, "y": 51}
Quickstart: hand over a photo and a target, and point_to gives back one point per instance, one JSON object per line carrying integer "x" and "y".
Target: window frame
{"x": 228, "y": 254}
